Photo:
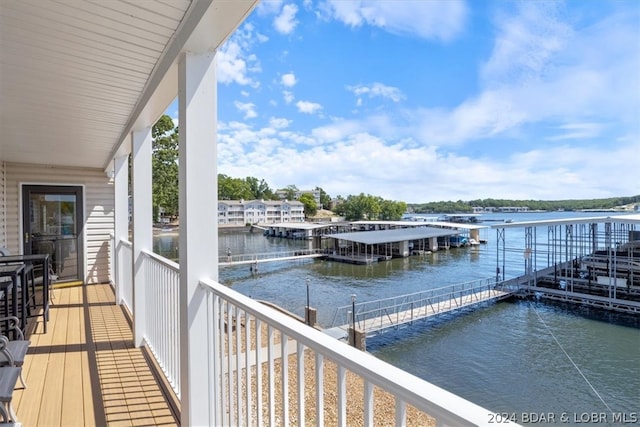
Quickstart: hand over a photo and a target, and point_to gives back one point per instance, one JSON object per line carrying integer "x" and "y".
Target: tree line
{"x": 368, "y": 207}
{"x": 542, "y": 205}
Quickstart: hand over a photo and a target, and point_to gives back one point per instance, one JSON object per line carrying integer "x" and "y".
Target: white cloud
{"x": 288, "y": 96}
{"x": 286, "y": 22}
{"x": 288, "y": 80}
{"x": 308, "y": 107}
{"x": 377, "y": 90}
{"x": 526, "y": 44}
{"x": 279, "y": 122}
{"x": 234, "y": 61}
{"x": 248, "y": 108}
{"x": 578, "y": 131}
{"x": 441, "y": 20}
{"x": 403, "y": 170}
{"x": 270, "y": 7}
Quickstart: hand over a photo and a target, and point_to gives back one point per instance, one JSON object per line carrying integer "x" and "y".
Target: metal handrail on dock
{"x": 373, "y": 316}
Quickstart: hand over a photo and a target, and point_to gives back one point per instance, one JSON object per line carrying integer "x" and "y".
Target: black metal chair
{"x": 16, "y": 348}
{"x": 8, "y": 378}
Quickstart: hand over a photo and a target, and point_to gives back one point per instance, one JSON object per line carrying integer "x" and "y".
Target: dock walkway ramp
{"x": 372, "y": 317}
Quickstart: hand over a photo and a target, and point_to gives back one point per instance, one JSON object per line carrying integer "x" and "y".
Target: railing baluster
{"x": 238, "y": 390}
{"x": 229, "y": 358}
{"x": 319, "y": 390}
{"x": 301, "y": 383}
{"x": 285, "y": 378}
{"x": 342, "y": 396}
{"x": 368, "y": 403}
{"x": 259, "y": 401}
{"x": 272, "y": 374}
{"x": 217, "y": 365}
{"x": 401, "y": 413}
{"x": 247, "y": 371}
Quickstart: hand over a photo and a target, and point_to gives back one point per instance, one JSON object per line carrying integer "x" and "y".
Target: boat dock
{"x": 591, "y": 261}
{"x": 303, "y": 230}
{"x": 373, "y": 317}
{"x": 365, "y": 247}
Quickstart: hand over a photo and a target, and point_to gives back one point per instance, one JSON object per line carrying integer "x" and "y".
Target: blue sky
{"x": 435, "y": 100}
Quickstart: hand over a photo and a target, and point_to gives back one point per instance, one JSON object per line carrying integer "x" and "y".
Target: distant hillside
{"x": 543, "y": 205}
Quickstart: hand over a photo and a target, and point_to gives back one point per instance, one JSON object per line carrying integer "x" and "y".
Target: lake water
{"x": 514, "y": 357}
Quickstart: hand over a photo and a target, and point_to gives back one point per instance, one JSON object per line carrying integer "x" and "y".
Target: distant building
{"x": 490, "y": 209}
{"x": 480, "y": 209}
{"x": 283, "y": 194}
{"x": 513, "y": 209}
{"x": 242, "y": 212}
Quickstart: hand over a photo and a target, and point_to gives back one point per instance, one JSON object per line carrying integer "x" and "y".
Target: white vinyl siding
{"x": 98, "y": 210}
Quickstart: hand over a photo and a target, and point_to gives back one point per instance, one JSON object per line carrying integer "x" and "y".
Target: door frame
{"x": 80, "y": 191}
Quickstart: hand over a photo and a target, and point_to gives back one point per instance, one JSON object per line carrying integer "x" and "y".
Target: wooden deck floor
{"x": 85, "y": 371}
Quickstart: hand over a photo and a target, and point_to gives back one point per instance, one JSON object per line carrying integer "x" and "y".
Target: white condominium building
{"x": 242, "y": 212}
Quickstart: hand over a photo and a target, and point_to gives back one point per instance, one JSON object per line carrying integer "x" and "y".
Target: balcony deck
{"x": 85, "y": 369}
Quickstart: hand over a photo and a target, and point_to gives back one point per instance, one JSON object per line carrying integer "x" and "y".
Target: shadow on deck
{"x": 85, "y": 370}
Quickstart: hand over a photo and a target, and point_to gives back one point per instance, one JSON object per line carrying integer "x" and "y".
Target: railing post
{"x": 412, "y": 312}
{"x": 142, "y": 227}
{"x": 197, "y": 105}
{"x": 121, "y": 220}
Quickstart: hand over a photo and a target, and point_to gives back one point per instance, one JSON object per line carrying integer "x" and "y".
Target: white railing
{"x": 162, "y": 334}
{"x": 319, "y": 372}
{"x": 124, "y": 254}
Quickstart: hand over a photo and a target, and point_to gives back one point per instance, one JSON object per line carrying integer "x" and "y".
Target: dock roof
{"x": 297, "y": 225}
{"x": 405, "y": 223}
{"x": 618, "y": 219}
{"x": 461, "y": 225}
{"x": 392, "y": 236}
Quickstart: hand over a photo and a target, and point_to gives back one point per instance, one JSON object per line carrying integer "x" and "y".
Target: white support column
{"x": 198, "y": 227}
{"x": 121, "y": 217}
{"x": 142, "y": 226}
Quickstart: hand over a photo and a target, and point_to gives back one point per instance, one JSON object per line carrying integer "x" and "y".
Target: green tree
{"x": 290, "y": 191}
{"x": 310, "y": 205}
{"x": 361, "y": 207}
{"x": 165, "y": 166}
{"x": 259, "y": 189}
{"x": 233, "y": 188}
{"x": 392, "y": 210}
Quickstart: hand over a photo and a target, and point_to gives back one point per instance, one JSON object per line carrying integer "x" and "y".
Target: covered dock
{"x": 296, "y": 230}
{"x": 304, "y": 230}
{"x": 365, "y": 247}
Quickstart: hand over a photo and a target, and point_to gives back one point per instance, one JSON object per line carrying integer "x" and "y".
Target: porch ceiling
{"x": 77, "y": 76}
